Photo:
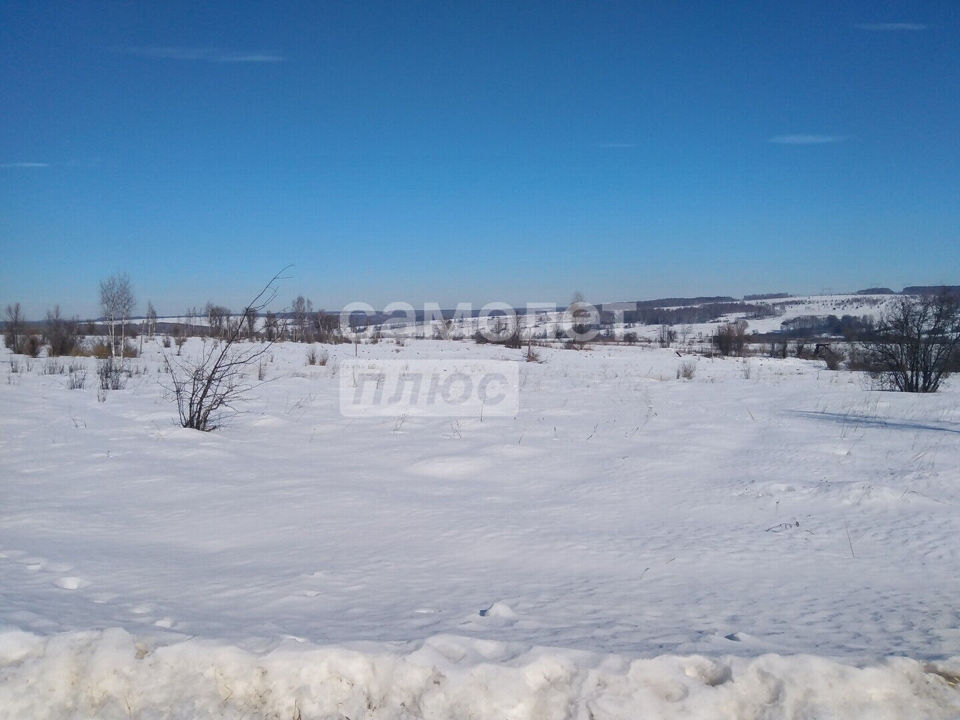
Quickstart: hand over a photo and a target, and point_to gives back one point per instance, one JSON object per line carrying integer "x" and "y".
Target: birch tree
{"x": 117, "y": 302}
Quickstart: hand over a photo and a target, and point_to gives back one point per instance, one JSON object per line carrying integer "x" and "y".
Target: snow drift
{"x": 112, "y": 674}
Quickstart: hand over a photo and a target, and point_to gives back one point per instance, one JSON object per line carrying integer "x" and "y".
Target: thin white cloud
{"x": 616, "y": 146}
{"x": 806, "y": 139}
{"x": 890, "y": 27}
{"x": 24, "y": 165}
{"x": 214, "y": 55}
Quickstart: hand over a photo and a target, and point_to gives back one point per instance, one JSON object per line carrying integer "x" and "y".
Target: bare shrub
{"x": 833, "y": 358}
{"x": 32, "y": 345}
{"x": 443, "y": 329}
{"x": 730, "y": 338}
{"x": 209, "y": 386}
{"x": 686, "y": 370}
{"x": 110, "y": 374}
{"x": 53, "y": 367}
{"x": 630, "y": 337}
{"x": 503, "y": 331}
{"x": 166, "y": 341}
{"x": 506, "y": 332}
{"x": 180, "y": 339}
{"x": 317, "y": 357}
{"x": 77, "y": 378}
{"x": 62, "y": 335}
{"x": 100, "y": 350}
{"x": 514, "y": 338}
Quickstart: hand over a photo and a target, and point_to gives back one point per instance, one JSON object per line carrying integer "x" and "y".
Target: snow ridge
{"x": 112, "y": 674}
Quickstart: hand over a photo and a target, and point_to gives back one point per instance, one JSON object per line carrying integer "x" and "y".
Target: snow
{"x": 109, "y": 674}
{"x": 768, "y": 539}
{"x": 787, "y": 309}
{"x": 821, "y": 306}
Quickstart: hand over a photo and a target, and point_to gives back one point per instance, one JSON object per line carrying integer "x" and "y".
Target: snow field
{"x": 783, "y": 528}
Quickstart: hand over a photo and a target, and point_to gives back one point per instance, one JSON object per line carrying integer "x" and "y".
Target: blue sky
{"x": 471, "y": 152}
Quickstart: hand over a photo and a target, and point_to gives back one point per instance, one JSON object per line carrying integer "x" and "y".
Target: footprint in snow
{"x": 71, "y": 583}
{"x": 31, "y": 561}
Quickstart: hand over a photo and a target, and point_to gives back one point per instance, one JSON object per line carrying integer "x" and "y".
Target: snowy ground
{"x": 766, "y": 539}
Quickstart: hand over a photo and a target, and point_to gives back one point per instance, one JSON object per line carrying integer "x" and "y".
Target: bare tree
{"x": 666, "y": 336}
{"x": 191, "y": 320}
{"x": 117, "y": 302}
{"x": 217, "y": 319}
{"x": 916, "y": 343}
{"x": 250, "y": 318}
{"x": 14, "y": 328}
{"x": 180, "y": 336}
{"x": 327, "y": 327}
{"x": 207, "y": 387}
{"x": 151, "y": 319}
{"x": 300, "y": 312}
{"x": 270, "y": 329}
